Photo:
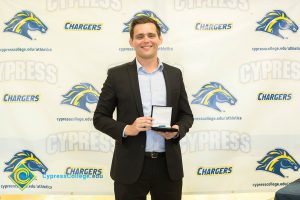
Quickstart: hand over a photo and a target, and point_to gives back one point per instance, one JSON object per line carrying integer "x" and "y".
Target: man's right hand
{"x": 140, "y": 124}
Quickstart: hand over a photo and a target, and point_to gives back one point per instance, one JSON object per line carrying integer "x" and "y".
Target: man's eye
{"x": 139, "y": 37}
{"x": 151, "y": 36}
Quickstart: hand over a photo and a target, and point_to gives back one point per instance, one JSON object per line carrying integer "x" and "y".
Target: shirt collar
{"x": 160, "y": 66}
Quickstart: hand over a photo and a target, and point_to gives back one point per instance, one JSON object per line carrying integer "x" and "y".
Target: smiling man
{"x": 144, "y": 160}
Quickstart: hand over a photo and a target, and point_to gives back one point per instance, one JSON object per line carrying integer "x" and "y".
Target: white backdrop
{"x": 209, "y": 40}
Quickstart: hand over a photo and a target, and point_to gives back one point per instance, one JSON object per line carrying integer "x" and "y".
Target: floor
{"x": 240, "y": 196}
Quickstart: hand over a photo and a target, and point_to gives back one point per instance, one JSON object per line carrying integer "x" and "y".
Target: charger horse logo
{"x": 211, "y": 94}
{"x": 28, "y": 159}
{"x": 275, "y": 21}
{"x": 23, "y": 22}
{"x": 276, "y": 160}
{"x": 150, "y": 14}
{"x": 80, "y": 95}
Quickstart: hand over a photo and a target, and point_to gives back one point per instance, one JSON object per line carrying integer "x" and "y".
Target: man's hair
{"x": 143, "y": 20}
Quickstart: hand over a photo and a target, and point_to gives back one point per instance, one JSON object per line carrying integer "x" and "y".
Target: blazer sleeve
{"x": 103, "y": 120}
{"x": 185, "y": 115}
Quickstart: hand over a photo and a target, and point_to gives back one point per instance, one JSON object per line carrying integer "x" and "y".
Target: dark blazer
{"x": 121, "y": 91}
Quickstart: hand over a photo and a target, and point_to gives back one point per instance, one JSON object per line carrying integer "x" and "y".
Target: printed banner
{"x": 241, "y": 65}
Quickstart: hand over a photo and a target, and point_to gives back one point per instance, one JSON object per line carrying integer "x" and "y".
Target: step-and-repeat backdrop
{"x": 241, "y": 65}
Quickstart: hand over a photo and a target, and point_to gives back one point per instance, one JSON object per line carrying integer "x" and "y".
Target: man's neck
{"x": 149, "y": 64}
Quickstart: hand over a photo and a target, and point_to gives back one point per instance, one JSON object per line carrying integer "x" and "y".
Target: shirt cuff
{"x": 123, "y": 134}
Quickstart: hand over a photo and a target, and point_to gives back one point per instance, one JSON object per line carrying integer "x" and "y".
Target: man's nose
{"x": 146, "y": 39}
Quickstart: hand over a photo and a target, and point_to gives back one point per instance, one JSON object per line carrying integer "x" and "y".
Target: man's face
{"x": 145, "y": 41}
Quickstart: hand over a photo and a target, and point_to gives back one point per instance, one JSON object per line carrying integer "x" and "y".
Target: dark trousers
{"x": 154, "y": 179}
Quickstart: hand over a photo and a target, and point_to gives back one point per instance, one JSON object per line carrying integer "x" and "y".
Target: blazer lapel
{"x": 167, "y": 82}
{"x": 135, "y": 88}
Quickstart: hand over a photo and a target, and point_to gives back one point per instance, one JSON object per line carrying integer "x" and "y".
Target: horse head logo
{"x": 276, "y": 160}
{"x": 150, "y": 14}
{"x": 275, "y": 21}
{"x": 28, "y": 159}
{"x": 80, "y": 95}
{"x": 211, "y": 94}
{"x": 23, "y": 22}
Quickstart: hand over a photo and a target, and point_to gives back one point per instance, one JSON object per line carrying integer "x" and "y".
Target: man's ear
{"x": 130, "y": 42}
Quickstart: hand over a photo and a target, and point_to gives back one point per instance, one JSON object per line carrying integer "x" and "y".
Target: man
{"x": 144, "y": 160}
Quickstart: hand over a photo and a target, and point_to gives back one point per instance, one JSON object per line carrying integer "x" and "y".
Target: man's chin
{"x": 148, "y": 56}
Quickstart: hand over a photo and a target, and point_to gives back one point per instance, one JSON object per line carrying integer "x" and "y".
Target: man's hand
{"x": 140, "y": 124}
{"x": 169, "y": 135}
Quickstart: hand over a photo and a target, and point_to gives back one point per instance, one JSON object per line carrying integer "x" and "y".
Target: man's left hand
{"x": 169, "y": 135}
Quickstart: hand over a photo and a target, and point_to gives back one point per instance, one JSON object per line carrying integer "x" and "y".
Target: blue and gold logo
{"x": 275, "y": 21}
{"x": 211, "y": 94}
{"x": 276, "y": 160}
{"x": 23, "y": 22}
{"x": 150, "y": 14}
{"x": 80, "y": 95}
{"x": 22, "y": 166}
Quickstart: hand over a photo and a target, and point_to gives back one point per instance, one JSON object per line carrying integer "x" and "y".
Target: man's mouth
{"x": 146, "y": 47}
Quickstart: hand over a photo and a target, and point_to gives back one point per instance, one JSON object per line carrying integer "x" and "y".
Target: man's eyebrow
{"x": 146, "y": 33}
